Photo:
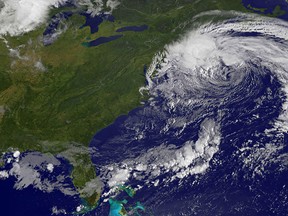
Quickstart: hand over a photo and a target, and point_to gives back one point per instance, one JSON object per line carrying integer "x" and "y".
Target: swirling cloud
{"x": 219, "y": 61}
{"x": 226, "y": 68}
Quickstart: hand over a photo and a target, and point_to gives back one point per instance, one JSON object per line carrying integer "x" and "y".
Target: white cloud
{"x": 19, "y": 16}
{"x": 50, "y": 167}
{"x": 200, "y": 55}
{"x": 193, "y": 72}
{"x": 28, "y": 171}
{"x": 196, "y": 60}
{"x": 113, "y": 4}
{"x": 16, "y": 154}
{"x": 94, "y": 185}
{"x": 39, "y": 65}
{"x": 119, "y": 176}
{"x": 57, "y": 211}
{"x": 191, "y": 158}
{"x": 79, "y": 208}
{"x": 96, "y": 6}
{"x": 4, "y": 174}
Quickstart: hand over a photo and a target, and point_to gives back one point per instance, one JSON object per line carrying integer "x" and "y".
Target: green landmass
{"x": 260, "y": 10}
{"x": 277, "y": 12}
{"x": 55, "y": 98}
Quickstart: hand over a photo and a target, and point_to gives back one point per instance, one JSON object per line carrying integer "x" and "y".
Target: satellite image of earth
{"x": 144, "y": 107}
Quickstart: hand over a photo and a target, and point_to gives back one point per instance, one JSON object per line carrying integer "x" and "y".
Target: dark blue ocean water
{"x": 228, "y": 188}
{"x": 34, "y": 202}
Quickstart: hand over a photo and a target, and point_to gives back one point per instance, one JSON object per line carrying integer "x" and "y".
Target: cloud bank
{"x": 20, "y": 16}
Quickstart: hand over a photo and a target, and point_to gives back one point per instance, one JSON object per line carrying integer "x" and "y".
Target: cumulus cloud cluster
{"x": 96, "y": 6}
{"x": 28, "y": 169}
{"x": 167, "y": 163}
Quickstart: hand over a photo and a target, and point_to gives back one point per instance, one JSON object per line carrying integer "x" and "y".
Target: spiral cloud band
{"x": 221, "y": 60}
{"x": 217, "y": 76}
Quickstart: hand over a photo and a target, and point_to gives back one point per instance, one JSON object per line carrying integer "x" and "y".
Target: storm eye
{"x": 228, "y": 76}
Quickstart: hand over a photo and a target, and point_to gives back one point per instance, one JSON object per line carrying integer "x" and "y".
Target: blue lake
{"x": 50, "y": 33}
{"x": 101, "y": 40}
{"x": 94, "y": 22}
{"x": 55, "y": 21}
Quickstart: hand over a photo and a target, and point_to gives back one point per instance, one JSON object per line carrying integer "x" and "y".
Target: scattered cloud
{"x": 33, "y": 169}
{"x": 156, "y": 163}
